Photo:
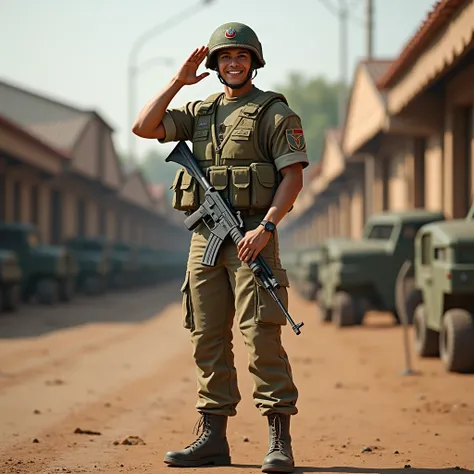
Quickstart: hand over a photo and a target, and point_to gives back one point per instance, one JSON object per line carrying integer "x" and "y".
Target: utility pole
{"x": 369, "y": 28}
{"x": 343, "y": 15}
{"x": 133, "y": 60}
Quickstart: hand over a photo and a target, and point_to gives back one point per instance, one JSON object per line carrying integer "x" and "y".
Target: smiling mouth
{"x": 234, "y": 73}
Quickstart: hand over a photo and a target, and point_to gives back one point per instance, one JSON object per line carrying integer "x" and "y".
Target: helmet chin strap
{"x": 250, "y": 76}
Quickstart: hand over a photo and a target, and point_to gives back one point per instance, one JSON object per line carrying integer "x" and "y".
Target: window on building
{"x": 34, "y": 205}
{"x": 17, "y": 201}
{"x": 385, "y": 164}
{"x": 56, "y": 217}
{"x": 102, "y": 224}
{"x": 118, "y": 224}
{"x": 3, "y": 192}
{"x": 81, "y": 218}
{"x": 419, "y": 181}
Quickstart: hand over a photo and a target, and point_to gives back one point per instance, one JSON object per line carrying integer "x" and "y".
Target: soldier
{"x": 251, "y": 146}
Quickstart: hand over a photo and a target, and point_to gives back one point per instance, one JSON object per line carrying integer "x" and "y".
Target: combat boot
{"x": 280, "y": 455}
{"x": 210, "y": 447}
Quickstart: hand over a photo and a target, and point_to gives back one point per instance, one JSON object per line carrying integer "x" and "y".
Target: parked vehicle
{"x": 93, "y": 260}
{"x": 444, "y": 273}
{"x": 360, "y": 275}
{"x": 48, "y": 271}
{"x": 10, "y": 281}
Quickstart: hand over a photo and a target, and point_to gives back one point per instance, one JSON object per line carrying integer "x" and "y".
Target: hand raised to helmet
{"x": 187, "y": 73}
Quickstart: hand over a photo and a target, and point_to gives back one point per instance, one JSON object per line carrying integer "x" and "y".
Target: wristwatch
{"x": 268, "y": 226}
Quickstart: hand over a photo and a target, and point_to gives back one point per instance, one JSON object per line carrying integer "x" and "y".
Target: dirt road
{"x": 120, "y": 365}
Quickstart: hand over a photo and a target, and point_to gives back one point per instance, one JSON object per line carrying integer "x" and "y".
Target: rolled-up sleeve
{"x": 179, "y": 123}
{"x": 288, "y": 143}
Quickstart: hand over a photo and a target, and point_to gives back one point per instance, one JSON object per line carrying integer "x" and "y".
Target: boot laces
{"x": 201, "y": 430}
{"x": 277, "y": 443}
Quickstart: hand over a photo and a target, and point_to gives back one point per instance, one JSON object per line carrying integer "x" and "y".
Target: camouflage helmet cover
{"x": 234, "y": 35}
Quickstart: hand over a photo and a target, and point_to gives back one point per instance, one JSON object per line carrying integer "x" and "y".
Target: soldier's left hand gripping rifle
{"x": 222, "y": 221}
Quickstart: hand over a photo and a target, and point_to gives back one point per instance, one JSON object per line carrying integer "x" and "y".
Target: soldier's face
{"x": 234, "y": 64}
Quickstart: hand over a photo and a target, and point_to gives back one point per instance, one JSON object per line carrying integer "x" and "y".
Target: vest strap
{"x": 207, "y": 106}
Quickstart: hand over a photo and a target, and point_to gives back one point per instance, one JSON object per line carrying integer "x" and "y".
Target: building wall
{"x": 434, "y": 199}
{"x": 356, "y": 211}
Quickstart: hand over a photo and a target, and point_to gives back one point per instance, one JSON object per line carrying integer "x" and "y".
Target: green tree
{"x": 156, "y": 169}
{"x": 315, "y": 100}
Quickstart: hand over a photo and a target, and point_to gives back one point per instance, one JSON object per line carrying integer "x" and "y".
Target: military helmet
{"x": 234, "y": 35}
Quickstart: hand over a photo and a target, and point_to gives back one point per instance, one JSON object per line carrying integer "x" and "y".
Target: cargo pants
{"x": 212, "y": 297}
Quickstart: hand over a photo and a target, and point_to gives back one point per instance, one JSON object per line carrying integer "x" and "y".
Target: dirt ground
{"x": 121, "y": 365}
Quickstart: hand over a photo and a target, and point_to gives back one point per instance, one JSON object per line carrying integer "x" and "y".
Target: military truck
{"x": 444, "y": 273}
{"x": 152, "y": 267}
{"x": 360, "y": 275}
{"x": 302, "y": 267}
{"x": 48, "y": 271}
{"x": 93, "y": 259}
{"x": 10, "y": 281}
{"x": 125, "y": 264}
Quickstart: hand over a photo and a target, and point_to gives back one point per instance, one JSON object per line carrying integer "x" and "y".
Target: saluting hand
{"x": 187, "y": 72}
{"x": 252, "y": 244}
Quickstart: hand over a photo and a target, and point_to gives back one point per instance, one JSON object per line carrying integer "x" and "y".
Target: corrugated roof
{"x": 439, "y": 16}
{"x": 53, "y": 122}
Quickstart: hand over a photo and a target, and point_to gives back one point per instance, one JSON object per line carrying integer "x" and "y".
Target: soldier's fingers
{"x": 192, "y": 56}
{"x": 202, "y": 76}
{"x": 200, "y": 54}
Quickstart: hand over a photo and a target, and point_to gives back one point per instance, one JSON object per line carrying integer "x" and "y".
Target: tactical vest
{"x": 235, "y": 165}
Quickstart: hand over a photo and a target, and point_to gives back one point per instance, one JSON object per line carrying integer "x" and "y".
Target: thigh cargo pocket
{"x": 188, "y": 319}
{"x": 239, "y": 193}
{"x": 186, "y": 193}
{"x": 264, "y": 183}
{"x": 267, "y": 310}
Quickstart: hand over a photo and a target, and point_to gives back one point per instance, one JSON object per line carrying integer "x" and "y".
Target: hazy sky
{"x": 77, "y": 51}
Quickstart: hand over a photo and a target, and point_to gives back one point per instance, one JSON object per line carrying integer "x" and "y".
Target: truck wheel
{"x": 344, "y": 312}
{"x": 426, "y": 340}
{"x": 456, "y": 341}
{"x": 66, "y": 289}
{"x": 118, "y": 281}
{"x": 325, "y": 314}
{"x": 47, "y": 291}
{"x": 10, "y": 298}
{"x": 362, "y": 305}
{"x": 93, "y": 285}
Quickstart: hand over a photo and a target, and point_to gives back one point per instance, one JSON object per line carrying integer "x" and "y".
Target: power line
{"x": 336, "y": 11}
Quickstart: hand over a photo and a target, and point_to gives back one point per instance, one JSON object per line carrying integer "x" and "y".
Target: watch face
{"x": 269, "y": 226}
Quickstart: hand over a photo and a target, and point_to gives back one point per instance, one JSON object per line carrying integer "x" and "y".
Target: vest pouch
{"x": 219, "y": 179}
{"x": 185, "y": 191}
{"x": 176, "y": 187}
{"x": 239, "y": 193}
{"x": 263, "y": 179}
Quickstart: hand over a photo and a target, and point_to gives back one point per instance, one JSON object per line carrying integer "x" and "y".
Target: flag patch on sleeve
{"x": 295, "y": 139}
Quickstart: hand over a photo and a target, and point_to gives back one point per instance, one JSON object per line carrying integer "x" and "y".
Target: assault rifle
{"x": 219, "y": 217}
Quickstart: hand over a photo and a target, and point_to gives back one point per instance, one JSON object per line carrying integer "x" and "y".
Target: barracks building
{"x": 408, "y": 137}
{"x": 59, "y": 170}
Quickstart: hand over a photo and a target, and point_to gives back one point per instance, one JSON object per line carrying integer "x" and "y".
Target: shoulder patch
{"x": 295, "y": 139}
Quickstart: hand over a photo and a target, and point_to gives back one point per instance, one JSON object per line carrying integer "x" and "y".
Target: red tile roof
{"x": 440, "y": 15}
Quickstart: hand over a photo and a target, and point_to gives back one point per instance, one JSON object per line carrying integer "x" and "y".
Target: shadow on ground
{"x": 127, "y": 306}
